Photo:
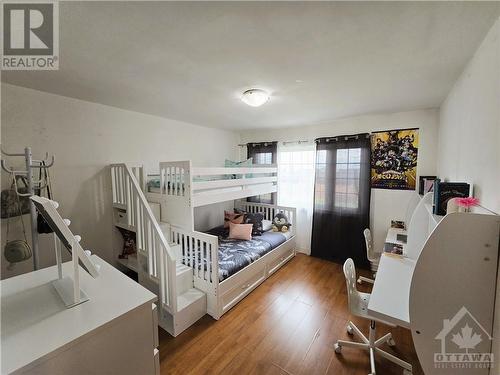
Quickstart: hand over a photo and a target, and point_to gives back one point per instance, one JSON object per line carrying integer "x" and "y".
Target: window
{"x": 347, "y": 178}
{"x": 342, "y": 199}
{"x": 263, "y": 153}
{"x": 296, "y": 186}
{"x": 320, "y": 186}
{"x": 263, "y": 158}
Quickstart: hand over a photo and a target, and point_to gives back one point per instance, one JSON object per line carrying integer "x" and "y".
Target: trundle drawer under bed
{"x": 236, "y": 287}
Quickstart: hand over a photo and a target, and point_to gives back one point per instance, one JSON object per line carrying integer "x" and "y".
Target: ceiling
{"x": 190, "y": 61}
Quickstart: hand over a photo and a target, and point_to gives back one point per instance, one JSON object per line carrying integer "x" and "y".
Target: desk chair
{"x": 373, "y": 257}
{"x": 358, "y": 306}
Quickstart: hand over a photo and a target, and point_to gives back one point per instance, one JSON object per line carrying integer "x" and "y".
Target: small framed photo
{"x": 425, "y": 184}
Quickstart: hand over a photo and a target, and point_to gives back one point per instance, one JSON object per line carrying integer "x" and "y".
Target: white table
{"x": 390, "y": 295}
{"x": 113, "y": 332}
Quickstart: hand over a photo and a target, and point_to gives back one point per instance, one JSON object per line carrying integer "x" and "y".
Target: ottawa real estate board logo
{"x": 465, "y": 343}
{"x": 30, "y": 35}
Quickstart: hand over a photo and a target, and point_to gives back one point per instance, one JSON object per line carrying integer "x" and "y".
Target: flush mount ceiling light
{"x": 255, "y": 97}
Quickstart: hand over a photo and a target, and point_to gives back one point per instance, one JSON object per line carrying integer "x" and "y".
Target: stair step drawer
{"x": 241, "y": 288}
{"x": 184, "y": 276}
{"x": 155, "y": 208}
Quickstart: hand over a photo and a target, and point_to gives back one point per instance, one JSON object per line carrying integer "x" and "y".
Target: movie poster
{"x": 394, "y": 159}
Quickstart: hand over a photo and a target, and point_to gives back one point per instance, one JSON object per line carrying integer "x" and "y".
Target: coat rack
{"x": 28, "y": 173}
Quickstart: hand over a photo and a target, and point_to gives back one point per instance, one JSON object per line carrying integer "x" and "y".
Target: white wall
{"x": 385, "y": 204}
{"x": 86, "y": 138}
{"x": 469, "y": 135}
{"x": 469, "y": 129}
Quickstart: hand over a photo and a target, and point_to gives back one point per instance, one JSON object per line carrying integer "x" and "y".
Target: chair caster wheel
{"x": 350, "y": 331}
{"x": 392, "y": 343}
{"x": 338, "y": 348}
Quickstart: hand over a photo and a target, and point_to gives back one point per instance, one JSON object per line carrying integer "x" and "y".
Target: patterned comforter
{"x": 235, "y": 255}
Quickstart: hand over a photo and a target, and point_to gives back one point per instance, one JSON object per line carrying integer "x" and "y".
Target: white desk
{"x": 113, "y": 332}
{"x": 390, "y": 295}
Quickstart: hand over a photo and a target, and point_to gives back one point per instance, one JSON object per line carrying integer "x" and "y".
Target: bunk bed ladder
{"x": 150, "y": 241}
{"x": 157, "y": 264}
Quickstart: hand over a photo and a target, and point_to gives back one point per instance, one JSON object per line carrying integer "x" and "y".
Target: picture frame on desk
{"x": 426, "y": 184}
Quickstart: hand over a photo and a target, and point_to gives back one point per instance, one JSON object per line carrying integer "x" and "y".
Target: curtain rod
{"x": 345, "y": 137}
{"x": 283, "y": 142}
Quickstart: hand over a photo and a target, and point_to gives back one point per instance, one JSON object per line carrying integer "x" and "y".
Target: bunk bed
{"x": 179, "y": 188}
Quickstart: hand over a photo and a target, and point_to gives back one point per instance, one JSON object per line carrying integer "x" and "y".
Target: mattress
{"x": 234, "y": 255}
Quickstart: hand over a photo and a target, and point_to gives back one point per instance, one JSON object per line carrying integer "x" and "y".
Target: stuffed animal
{"x": 129, "y": 246}
{"x": 281, "y": 223}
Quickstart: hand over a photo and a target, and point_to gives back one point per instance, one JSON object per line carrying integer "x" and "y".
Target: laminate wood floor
{"x": 288, "y": 325}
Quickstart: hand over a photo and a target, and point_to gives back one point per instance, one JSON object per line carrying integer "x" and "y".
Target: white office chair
{"x": 358, "y": 306}
{"x": 372, "y": 256}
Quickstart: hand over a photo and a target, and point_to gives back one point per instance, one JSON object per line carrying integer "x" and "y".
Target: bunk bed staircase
{"x": 157, "y": 262}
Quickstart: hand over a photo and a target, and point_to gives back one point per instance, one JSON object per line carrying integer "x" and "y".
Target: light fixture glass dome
{"x": 255, "y": 97}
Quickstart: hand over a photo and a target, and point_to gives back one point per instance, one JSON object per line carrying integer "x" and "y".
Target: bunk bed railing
{"x": 180, "y": 182}
{"x": 200, "y": 252}
{"x": 175, "y": 178}
{"x": 269, "y": 211}
{"x": 150, "y": 241}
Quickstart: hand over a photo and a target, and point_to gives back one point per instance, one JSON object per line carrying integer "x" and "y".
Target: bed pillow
{"x": 233, "y": 217}
{"x": 238, "y": 164}
{"x": 267, "y": 225}
{"x": 256, "y": 220}
{"x": 240, "y": 231}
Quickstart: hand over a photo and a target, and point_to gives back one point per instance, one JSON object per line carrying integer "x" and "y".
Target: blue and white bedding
{"x": 235, "y": 255}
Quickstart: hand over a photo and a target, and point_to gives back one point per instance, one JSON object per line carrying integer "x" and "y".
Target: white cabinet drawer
{"x": 156, "y": 341}
{"x": 156, "y": 354}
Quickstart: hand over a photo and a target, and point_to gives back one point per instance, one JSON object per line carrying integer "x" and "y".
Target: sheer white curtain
{"x": 296, "y": 186}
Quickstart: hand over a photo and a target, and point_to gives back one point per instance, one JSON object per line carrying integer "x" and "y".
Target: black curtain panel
{"x": 263, "y": 153}
{"x": 341, "y": 198}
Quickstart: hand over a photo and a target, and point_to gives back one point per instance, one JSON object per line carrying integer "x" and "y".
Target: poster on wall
{"x": 394, "y": 159}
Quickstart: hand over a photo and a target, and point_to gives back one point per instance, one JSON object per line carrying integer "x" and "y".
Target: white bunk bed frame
{"x": 180, "y": 192}
{"x": 168, "y": 247}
